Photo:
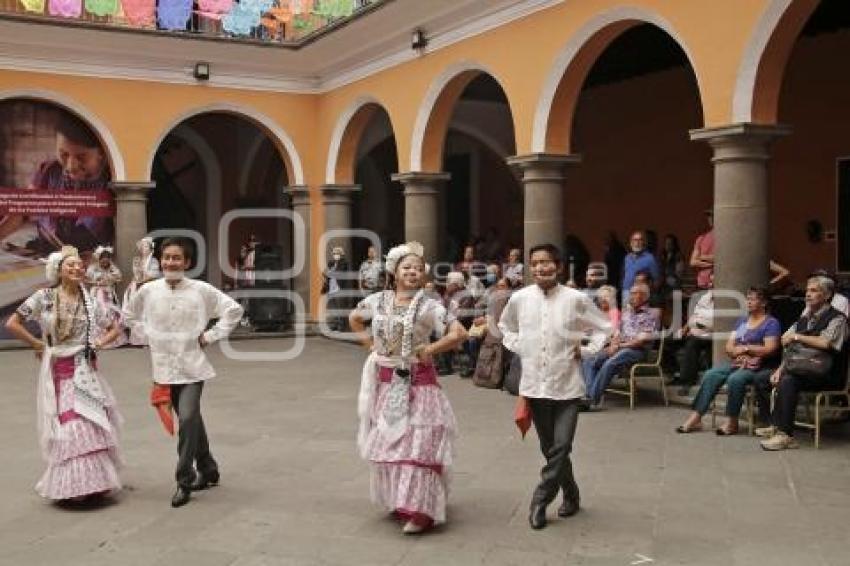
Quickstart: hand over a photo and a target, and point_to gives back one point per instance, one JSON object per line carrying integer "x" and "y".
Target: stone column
{"x": 336, "y": 200}
{"x": 421, "y": 209}
{"x": 131, "y": 222}
{"x": 741, "y": 236}
{"x": 300, "y": 196}
{"x": 543, "y": 190}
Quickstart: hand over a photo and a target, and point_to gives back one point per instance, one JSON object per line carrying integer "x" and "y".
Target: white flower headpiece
{"x": 98, "y": 251}
{"x": 396, "y": 254}
{"x": 146, "y": 240}
{"x": 54, "y": 262}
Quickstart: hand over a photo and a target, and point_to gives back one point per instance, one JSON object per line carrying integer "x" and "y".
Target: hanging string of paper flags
{"x": 238, "y": 17}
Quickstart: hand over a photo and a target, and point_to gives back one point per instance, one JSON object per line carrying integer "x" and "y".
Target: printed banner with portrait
{"x": 54, "y": 191}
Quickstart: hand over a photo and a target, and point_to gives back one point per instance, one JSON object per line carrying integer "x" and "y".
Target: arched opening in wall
{"x": 639, "y": 171}
{"x": 55, "y": 172}
{"x": 379, "y": 206}
{"x": 482, "y": 203}
{"x": 214, "y": 163}
{"x": 810, "y": 168}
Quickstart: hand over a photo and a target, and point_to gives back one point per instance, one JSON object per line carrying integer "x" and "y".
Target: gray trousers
{"x": 193, "y": 447}
{"x": 555, "y": 422}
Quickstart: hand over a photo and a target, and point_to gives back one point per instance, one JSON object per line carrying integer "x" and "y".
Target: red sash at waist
{"x": 422, "y": 374}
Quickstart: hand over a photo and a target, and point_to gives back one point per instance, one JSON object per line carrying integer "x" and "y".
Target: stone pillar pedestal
{"x": 422, "y": 209}
{"x": 131, "y": 222}
{"x": 543, "y": 190}
{"x": 300, "y": 197}
{"x": 741, "y": 236}
{"x": 337, "y": 200}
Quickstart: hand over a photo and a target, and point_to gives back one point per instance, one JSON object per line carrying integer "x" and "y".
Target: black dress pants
{"x": 555, "y": 422}
{"x": 193, "y": 447}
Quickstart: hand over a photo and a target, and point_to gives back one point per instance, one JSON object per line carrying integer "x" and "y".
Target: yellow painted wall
{"x": 519, "y": 55}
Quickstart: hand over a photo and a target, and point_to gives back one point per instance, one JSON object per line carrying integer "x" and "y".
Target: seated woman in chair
{"x": 821, "y": 328}
{"x": 751, "y": 348}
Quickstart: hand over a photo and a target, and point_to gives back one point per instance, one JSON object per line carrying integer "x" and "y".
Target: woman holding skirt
{"x": 407, "y": 426}
{"x": 78, "y": 423}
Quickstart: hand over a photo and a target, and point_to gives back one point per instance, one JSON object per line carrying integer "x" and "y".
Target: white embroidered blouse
{"x": 431, "y": 319}
{"x": 42, "y": 307}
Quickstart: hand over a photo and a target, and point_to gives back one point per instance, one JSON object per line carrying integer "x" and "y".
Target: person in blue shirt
{"x": 638, "y": 259}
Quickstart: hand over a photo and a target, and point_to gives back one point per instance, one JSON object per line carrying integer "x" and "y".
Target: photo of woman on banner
{"x": 80, "y": 163}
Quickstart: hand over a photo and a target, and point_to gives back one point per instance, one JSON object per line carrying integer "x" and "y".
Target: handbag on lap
{"x": 806, "y": 361}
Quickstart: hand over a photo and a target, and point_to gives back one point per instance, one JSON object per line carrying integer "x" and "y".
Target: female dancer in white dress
{"x": 407, "y": 427}
{"x": 78, "y": 422}
{"x": 145, "y": 268}
{"x": 103, "y": 276}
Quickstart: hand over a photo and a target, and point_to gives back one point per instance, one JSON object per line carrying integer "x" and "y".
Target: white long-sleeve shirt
{"x": 546, "y": 330}
{"x": 173, "y": 319}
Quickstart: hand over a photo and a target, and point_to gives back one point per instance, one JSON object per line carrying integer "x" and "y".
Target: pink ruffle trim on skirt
{"x": 411, "y": 476}
{"x": 84, "y": 459}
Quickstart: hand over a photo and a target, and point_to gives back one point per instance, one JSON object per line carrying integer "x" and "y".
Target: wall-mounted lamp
{"x": 201, "y": 71}
{"x": 418, "y": 39}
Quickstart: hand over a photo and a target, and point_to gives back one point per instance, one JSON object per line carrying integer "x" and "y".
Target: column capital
{"x": 547, "y": 160}
{"x": 421, "y": 177}
{"x": 339, "y": 193}
{"x": 131, "y": 190}
{"x": 300, "y": 194}
{"x": 740, "y": 142}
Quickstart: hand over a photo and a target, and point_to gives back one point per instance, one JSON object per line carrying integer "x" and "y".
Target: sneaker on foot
{"x": 765, "y": 431}
{"x": 779, "y": 441}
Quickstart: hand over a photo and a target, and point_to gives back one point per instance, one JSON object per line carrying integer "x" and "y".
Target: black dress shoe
{"x": 537, "y": 516}
{"x": 181, "y": 496}
{"x": 203, "y": 481}
{"x": 569, "y": 507}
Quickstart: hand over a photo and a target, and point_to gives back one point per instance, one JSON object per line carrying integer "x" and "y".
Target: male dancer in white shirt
{"x": 174, "y": 312}
{"x": 546, "y": 324}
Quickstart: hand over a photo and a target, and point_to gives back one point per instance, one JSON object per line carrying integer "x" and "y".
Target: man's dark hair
{"x": 183, "y": 243}
{"x": 75, "y": 131}
{"x": 551, "y": 249}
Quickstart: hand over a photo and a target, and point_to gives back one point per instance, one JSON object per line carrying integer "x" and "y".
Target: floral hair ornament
{"x": 395, "y": 255}
{"x": 53, "y": 263}
{"x": 100, "y": 250}
{"x": 146, "y": 240}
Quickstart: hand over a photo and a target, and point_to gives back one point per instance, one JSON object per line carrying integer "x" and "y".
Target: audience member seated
{"x": 638, "y": 328}
{"x": 493, "y": 358}
{"x": 645, "y": 278}
{"x": 606, "y": 300}
{"x": 460, "y": 304}
{"x": 468, "y": 262}
{"x": 752, "y": 351}
{"x": 695, "y": 339}
{"x": 514, "y": 269}
{"x": 838, "y": 301}
{"x": 814, "y": 359}
{"x": 491, "y": 275}
{"x": 596, "y": 276}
